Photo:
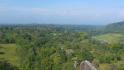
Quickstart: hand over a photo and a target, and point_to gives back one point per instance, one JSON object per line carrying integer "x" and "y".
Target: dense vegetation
{"x": 59, "y": 47}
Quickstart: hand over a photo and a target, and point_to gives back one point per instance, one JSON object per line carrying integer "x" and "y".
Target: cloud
{"x": 60, "y": 12}
{"x": 65, "y": 14}
{"x": 121, "y": 14}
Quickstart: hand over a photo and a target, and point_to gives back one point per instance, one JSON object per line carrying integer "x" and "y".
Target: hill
{"x": 117, "y": 27}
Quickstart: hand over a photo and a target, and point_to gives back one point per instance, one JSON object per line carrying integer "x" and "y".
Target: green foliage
{"x": 56, "y": 47}
{"x": 8, "y": 53}
{"x": 84, "y": 55}
{"x": 7, "y": 66}
{"x": 117, "y": 27}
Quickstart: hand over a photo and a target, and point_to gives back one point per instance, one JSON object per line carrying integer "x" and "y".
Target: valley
{"x": 57, "y": 47}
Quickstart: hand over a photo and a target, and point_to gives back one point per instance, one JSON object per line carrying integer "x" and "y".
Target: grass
{"x": 103, "y": 66}
{"x": 8, "y": 53}
{"x": 110, "y": 38}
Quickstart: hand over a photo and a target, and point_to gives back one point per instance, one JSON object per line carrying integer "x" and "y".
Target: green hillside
{"x": 54, "y": 48}
{"x": 117, "y": 27}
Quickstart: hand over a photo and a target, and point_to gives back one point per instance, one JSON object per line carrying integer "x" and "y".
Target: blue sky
{"x": 92, "y": 12}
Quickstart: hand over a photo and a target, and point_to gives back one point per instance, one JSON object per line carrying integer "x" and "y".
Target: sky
{"x": 93, "y": 12}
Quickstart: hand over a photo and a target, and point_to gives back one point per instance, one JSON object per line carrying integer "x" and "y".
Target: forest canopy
{"x": 60, "y": 47}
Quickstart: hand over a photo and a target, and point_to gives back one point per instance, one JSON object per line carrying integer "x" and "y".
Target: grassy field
{"x": 8, "y": 53}
{"x": 110, "y": 38}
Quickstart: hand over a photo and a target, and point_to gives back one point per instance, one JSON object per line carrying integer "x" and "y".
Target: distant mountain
{"x": 115, "y": 27}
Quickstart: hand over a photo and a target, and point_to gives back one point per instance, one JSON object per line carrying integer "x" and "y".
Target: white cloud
{"x": 121, "y": 14}
{"x": 78, "y": 14}
{"x": 60, "y": 12}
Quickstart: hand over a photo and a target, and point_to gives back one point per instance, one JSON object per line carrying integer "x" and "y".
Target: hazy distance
{"x": 92, "y": 12}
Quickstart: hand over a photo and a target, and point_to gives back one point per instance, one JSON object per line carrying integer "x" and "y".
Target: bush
{"x": 7, "y": 66}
